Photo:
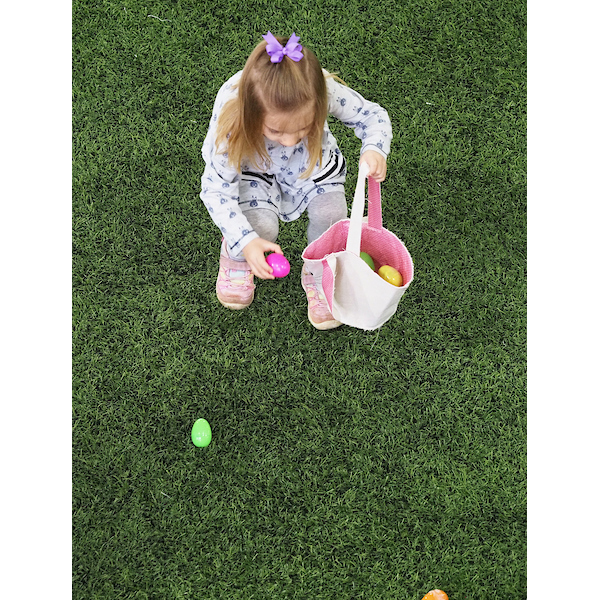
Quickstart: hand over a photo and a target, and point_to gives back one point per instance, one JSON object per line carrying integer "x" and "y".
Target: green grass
{"x": 344, "y": 464}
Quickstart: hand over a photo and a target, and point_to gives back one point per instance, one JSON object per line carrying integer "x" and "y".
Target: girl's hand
{"x": 254, "y": 253}
{"x": 377, "y": 164}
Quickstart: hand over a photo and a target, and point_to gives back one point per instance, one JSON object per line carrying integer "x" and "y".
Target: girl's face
{"x": 288, "y": 129}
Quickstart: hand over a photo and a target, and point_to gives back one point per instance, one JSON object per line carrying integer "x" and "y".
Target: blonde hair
{"x": 264, "y": 86}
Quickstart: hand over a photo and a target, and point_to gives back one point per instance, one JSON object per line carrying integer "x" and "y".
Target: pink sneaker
{"x": 318, "y": 312}
{"x": 237, "y": 292}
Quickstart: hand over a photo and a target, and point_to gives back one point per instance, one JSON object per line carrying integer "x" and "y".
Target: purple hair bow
{"x": 276, "y": 51}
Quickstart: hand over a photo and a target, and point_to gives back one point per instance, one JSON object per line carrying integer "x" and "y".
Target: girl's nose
{"x": 289, "y": 140}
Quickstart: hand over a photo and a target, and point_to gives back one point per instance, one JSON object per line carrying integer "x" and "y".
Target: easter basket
{"x": 356, "y": 295}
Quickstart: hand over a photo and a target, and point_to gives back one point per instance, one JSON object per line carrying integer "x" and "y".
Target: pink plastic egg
{"x": 279, "y": 264}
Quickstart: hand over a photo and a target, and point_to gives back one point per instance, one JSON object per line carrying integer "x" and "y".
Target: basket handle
{"x": 375, "y": 216}
{"x": 358, "y": 208}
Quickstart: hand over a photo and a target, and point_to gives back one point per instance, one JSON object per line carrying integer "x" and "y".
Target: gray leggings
{"x": 323, "y": 211}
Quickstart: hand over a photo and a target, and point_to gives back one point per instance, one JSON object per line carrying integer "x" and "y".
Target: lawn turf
{"x": 344, "y": 464}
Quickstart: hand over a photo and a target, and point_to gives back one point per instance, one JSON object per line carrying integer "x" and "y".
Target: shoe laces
{"x": 317, "y": 302}
{"x": 245, "y": 281}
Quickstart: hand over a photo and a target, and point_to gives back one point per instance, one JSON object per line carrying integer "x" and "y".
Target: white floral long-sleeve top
{"x": 220, "y": 182}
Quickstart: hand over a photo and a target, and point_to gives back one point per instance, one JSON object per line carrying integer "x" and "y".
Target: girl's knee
{"x": 265, "y": 222}
{"x": 324, "y": 211}
{"x": 330, "y": 207}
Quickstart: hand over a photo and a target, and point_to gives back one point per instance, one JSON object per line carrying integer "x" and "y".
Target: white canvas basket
{"x": 356, "y": 295}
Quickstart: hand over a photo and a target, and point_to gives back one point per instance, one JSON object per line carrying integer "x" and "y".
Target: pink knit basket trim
{"x": 383, "y": 246}
{"x": 327, "y": 283}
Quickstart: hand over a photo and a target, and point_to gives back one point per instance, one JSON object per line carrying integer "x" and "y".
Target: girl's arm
{"x": 220, "y": 195}
{"x": 377, "y": 164}
{"x": 220, "y": 183}
{"x": 370, "y": 121}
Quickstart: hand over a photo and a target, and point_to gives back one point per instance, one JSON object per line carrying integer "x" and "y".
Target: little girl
{"x": 270, "y": 156}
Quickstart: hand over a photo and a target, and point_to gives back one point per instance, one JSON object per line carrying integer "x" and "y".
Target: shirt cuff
{"x": 242, "y": 242}
{"x": 373, "y": 147}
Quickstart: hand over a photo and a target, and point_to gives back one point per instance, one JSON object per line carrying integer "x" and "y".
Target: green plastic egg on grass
{"x": 201, "y": 433}
{"x": 368, "y": 260}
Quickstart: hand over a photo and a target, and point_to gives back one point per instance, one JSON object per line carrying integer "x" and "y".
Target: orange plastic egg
{"x": 435, "y": 595}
